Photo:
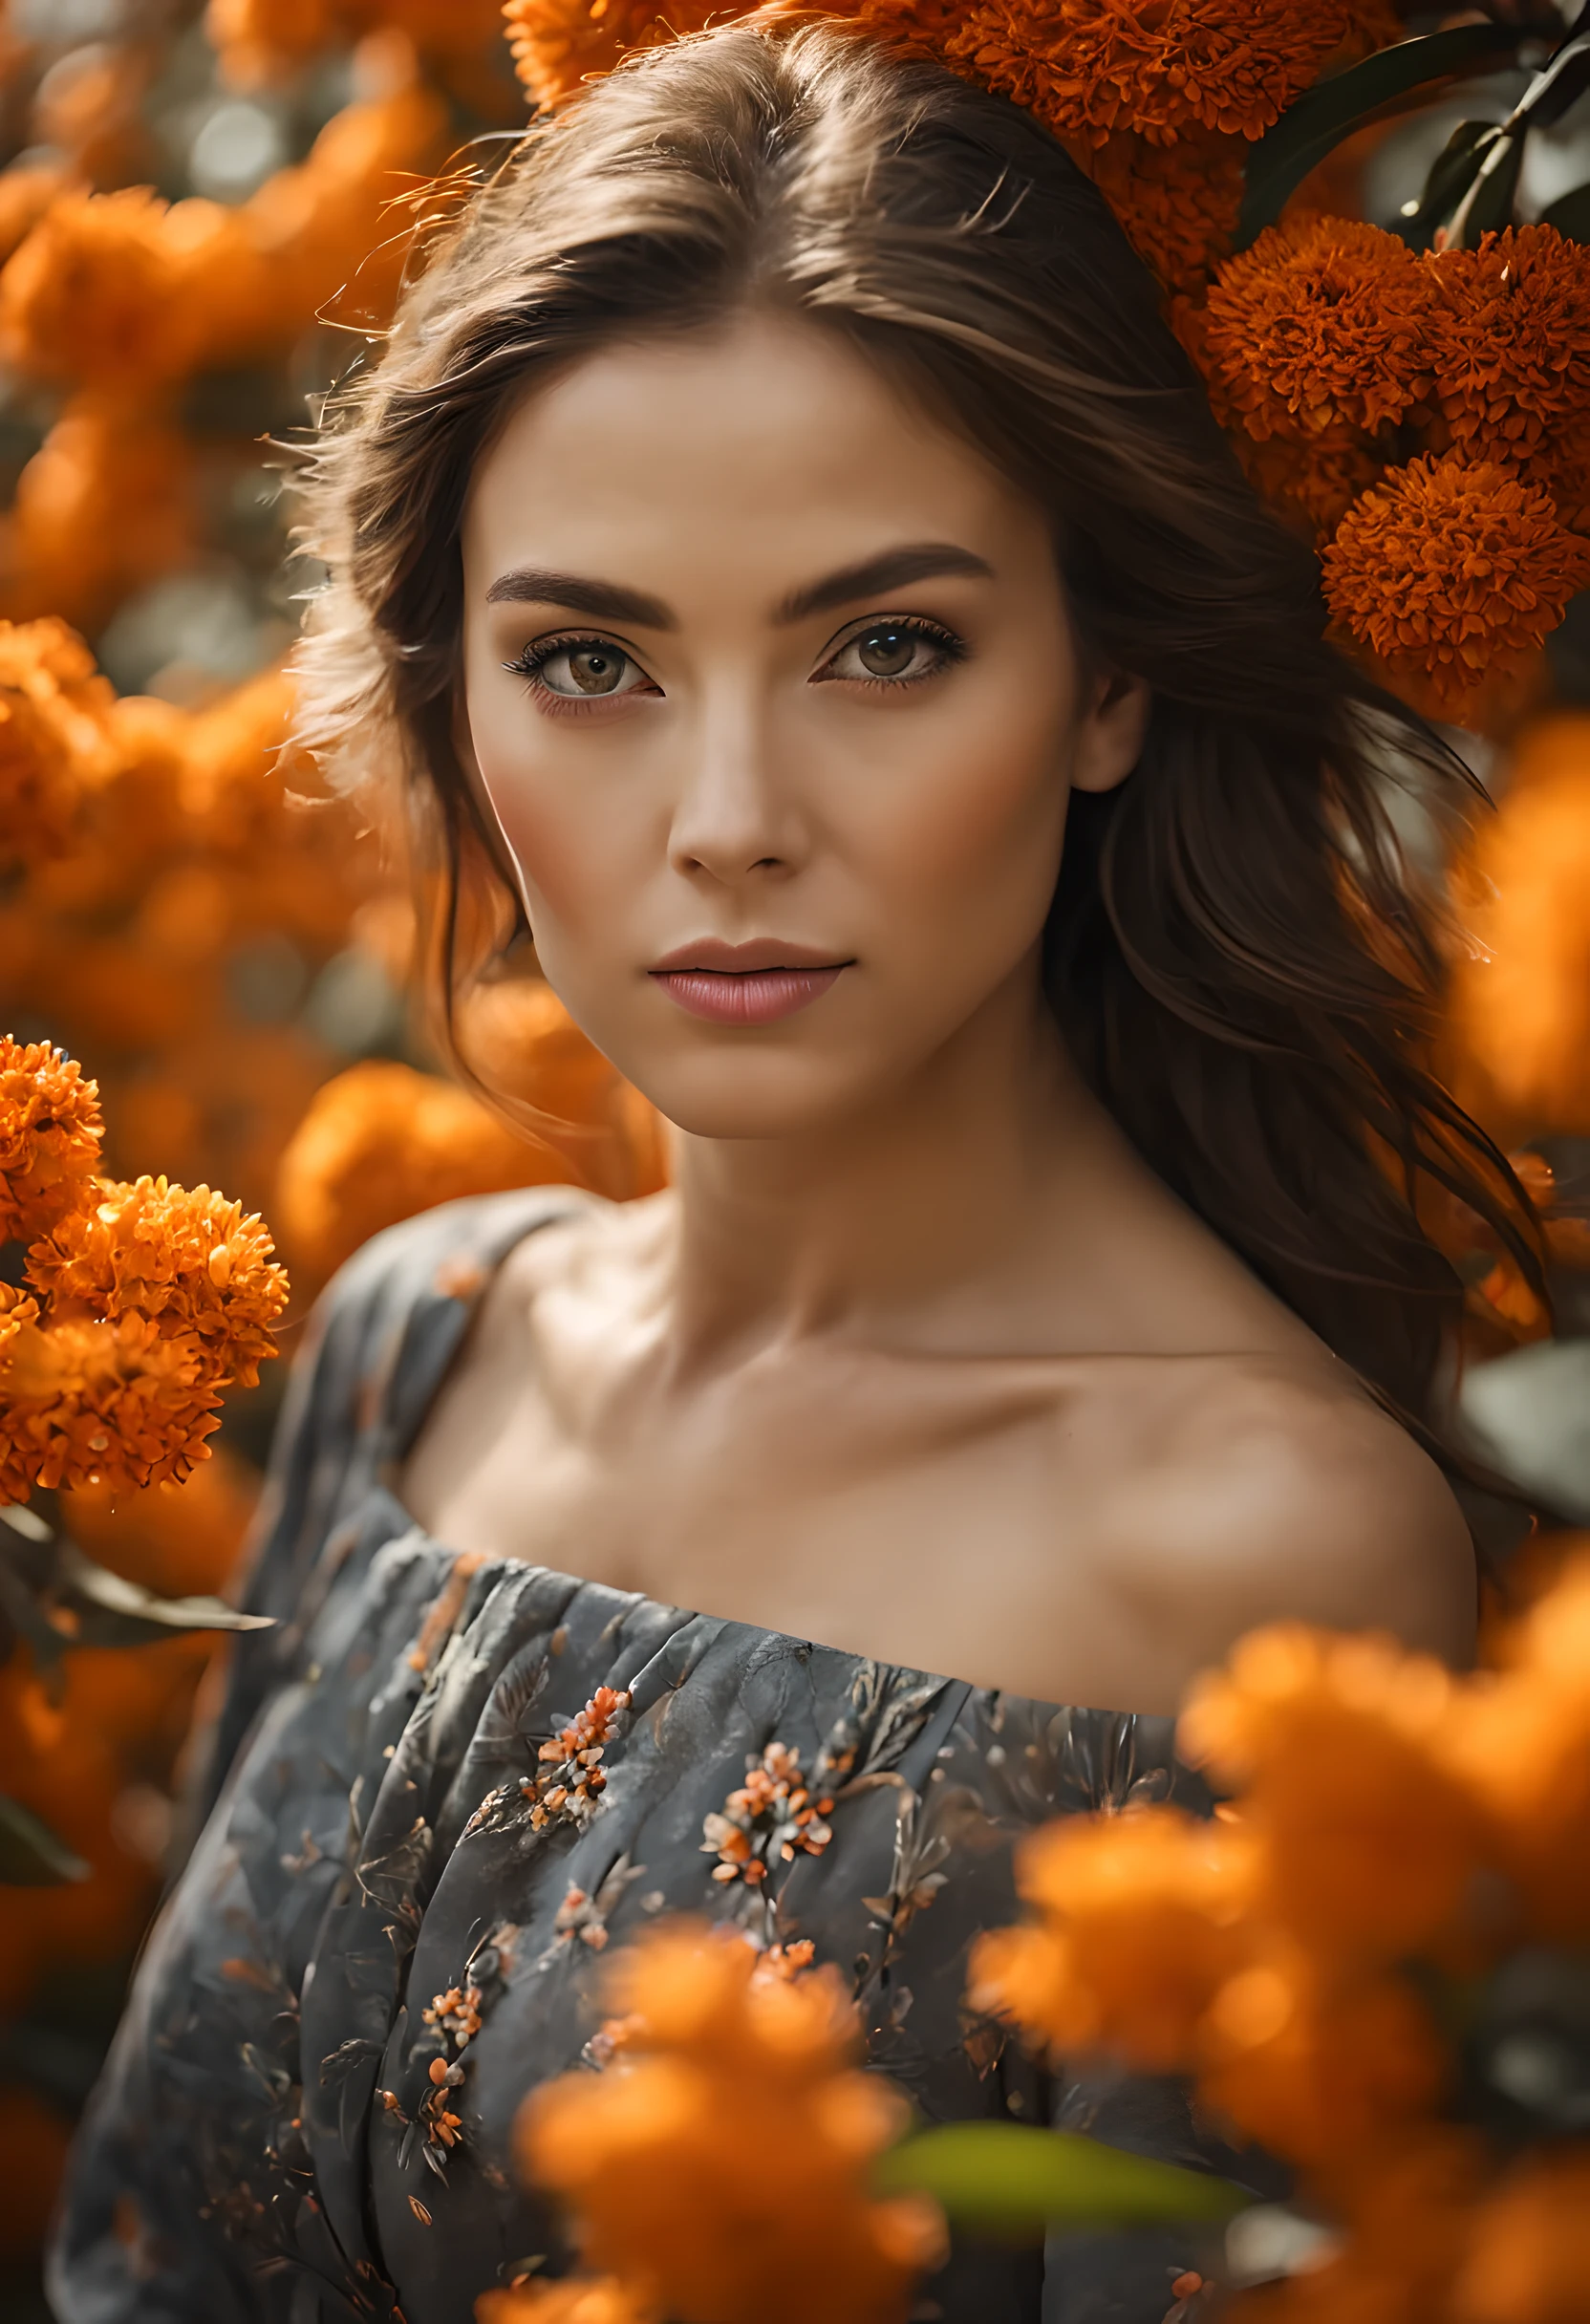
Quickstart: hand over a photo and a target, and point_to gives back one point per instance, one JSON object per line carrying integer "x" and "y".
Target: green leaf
{"x": 1489, "y": 202}
{"x": 30, "y": 1856}
{"x": 1329, "y": 112}
{"x": 114, "y": 1611}
{"x": 1010, "y": 2178}
{"x": 1449, "y": 176}
{"x": 1570, "y": 214}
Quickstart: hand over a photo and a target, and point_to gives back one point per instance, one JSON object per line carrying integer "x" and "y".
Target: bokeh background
{"x": 231, "y": 954}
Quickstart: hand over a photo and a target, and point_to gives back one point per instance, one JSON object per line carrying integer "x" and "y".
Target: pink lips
{"x": 746, "y": 984}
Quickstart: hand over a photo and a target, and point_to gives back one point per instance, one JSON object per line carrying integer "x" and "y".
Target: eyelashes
{"x": 576, "y": 672}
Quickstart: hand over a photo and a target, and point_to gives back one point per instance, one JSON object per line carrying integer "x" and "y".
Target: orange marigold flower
{"x": 1320, "y": 325}
{"x": 579, "y": 2299}
{"x": 1159, "y": 67}
{"x": 49, "y": 1133}
{"x": 1178, "y": 204}
{"x": 189, "y": 1260}
{"x": 1139, "y": 1921}
{"x": 1527, "y": 2260}
{"x": 81, "y": 1402}
{"x": 1313, "y": 2067}
{"x": 1452, "y": 575}
{"x": 719, "y": 2166}
{"x": 1508, "y": 335}
{"x": 1365, "y": 1840}
{"x": 559, "y": 44}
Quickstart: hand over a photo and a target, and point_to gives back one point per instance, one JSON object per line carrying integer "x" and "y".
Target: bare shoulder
{"x": 1266, "y": 1489}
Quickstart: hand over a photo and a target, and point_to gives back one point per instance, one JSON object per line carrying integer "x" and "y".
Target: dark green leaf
{"x": 1570, "y": 214}
{"x": 30, "y": 1856}
{"x": 1329, "y": 112}
{"x": 113, "y": 1611}
{"x": 1006, "y": 2176}
{"x": 1488, "y": 204}
{"x": 1449, "y": 176}
{"x": 1557, "y": 90}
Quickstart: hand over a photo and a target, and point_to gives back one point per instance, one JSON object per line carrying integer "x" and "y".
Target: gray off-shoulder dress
{"x": 388, "y": 1876}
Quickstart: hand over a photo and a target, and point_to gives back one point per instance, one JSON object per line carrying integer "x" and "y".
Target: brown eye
{"x": 887, "y": 652}
{"x": 595, "y": 669}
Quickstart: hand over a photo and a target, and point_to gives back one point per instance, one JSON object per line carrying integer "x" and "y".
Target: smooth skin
{"x": 916, "y": 1358}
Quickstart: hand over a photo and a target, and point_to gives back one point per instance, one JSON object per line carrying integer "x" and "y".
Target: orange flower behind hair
{"x": 719, "y": 2168}
{"x": 50, "y": 1136}
{"x": 1454, "y": 575}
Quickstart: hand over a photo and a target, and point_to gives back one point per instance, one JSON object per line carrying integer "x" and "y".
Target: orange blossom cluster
{"x": 144, "y": 1300}
{"x": 1427, "y": 417}
{"x": 118, "y": 297}
{"x": 1393, "y": 1830}
{"x": 718, "y": 2168}
{"x": 1159, "y": 99}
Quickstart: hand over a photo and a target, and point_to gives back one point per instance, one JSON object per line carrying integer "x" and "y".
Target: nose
{"x": 733, "y": 819}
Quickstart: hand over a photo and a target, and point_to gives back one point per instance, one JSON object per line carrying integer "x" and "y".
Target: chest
{"x": 942, "y": 1517}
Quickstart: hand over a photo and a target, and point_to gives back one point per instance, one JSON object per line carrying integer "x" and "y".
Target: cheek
{"x": 978, "y": 848}
{"x": 575, "y": 855}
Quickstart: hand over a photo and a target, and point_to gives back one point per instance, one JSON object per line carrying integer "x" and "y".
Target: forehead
{"x": 770, "y": 445}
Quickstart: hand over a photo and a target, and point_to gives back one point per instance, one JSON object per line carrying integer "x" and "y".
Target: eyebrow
{"x": 602, "y": 600}
{"x": 874, "y": 577}
{"x": 609, "y": 601}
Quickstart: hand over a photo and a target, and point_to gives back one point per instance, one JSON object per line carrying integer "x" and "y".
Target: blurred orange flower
{"x": 50, "y": 1131}
{"x": 105, "y": 503}
{"x": 1313, "y": 2065}
{"x": 382, "y": 1141}
{"x": 1527, "y": 2260}
{"x": 1452, "y": 575}
{"x": 719, "y": 2167}
{"x": 1408, "y": 2202}
{"x": 95, "y": 292}
{"x": 180, "y": 1539}
{"x": 189, "y": 1258}
{"x": 1365, "y": 1840}
{"x": 1521, "y": 986}
{"x": 577, "y": 2300}
{"x": 1141, "y": 1920}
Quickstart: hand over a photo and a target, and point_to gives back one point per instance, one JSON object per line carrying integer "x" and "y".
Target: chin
{"x": 729, "y": 1097}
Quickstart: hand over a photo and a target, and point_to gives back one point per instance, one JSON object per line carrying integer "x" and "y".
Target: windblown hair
{"x": 1241, "y": 959}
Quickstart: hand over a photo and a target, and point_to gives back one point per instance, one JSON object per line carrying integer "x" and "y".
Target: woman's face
{"x": 770, "y": 687}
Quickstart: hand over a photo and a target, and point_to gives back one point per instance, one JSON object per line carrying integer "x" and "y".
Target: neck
{"x": 921, "y": 1210}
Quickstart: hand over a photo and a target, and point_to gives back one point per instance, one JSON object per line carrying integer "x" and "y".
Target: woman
{"x": 789, "y": 558}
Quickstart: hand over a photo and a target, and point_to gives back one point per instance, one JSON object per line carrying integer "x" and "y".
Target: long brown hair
{"x": 1238, "y": 953}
